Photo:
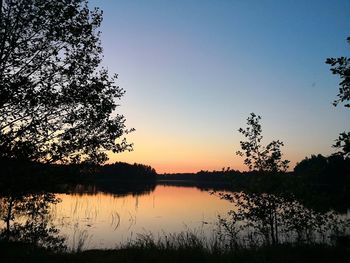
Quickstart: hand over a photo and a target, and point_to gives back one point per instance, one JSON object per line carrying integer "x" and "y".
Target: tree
{"x": 259, "y": 210}
{"x": 258, "y": 157}
{"x": 56, "y": 100}
{"x": 343, "y": 143}
{"x": 341, "y": 66}
{"x": 270, "y": 216}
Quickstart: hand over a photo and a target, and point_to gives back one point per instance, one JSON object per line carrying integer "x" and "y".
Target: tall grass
{"x": 224, "y": 239}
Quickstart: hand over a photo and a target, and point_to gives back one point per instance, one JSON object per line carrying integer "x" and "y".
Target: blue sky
{"x": 194, "y": 70}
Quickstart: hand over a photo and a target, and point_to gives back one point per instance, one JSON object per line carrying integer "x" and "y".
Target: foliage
{"x": 343, "y": 143}
{"x": 275, "y": 254}
{"x": 258, "y": 157}
{"x": 56, "y": 101}
{"x": 341, "y": 67}
{"x": 270, "y": 214}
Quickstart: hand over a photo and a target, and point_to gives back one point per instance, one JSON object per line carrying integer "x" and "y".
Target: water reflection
{"x": 27, "y": 218}
{"x": 109, "y": 220}
{"x": 266, "y": 218}
{"x": 89, "y": 218}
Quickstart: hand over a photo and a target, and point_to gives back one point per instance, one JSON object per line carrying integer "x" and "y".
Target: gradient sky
{"x": 193, "y": 71}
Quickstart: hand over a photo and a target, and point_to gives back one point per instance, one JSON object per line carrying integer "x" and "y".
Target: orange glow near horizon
{"x": 186, "y": 153}
{"x": 179, "y": 166}
{"x": 172, "y": 157}
{"x": 188, "y": 161}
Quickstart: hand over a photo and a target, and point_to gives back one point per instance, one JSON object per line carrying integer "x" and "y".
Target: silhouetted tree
{"x": 56, "y": 101}
{"x": 343, "y": 143}
{"x": 260, "y": 210}
{"x": 258, "y": 157}
{"x": 341, "y": 66}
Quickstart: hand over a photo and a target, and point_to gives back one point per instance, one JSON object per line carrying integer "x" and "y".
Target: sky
{"x": 193, "y": 71}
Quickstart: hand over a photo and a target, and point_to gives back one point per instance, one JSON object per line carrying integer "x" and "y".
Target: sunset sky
{"x": 193, "y": 71}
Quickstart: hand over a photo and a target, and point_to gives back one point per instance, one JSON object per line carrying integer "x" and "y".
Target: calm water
{"x": 85, "y": 220}
{"x": 105, "y": 220}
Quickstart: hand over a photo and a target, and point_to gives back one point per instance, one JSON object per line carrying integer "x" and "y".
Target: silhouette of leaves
{"x": 258, "y": 157}
{"x": 56, "y": 101}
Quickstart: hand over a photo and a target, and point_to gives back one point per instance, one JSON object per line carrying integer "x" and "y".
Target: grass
{"x": 19, "y": 252}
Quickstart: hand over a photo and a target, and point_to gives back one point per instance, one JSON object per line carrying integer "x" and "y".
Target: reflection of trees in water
{"x": 27, "y": 218}
{"x": 264, "y": 218}
{"x": 116, "y": 188}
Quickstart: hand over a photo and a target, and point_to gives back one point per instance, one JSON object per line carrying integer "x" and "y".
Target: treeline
{"x": 19, "y": 175}
{"x": 221, "y": 175}
{"x": 333, "y": 170}
{"x": 320, "y": 170}
{"x": 203, "y": 180}
{"x": 317, "y": 171}
{"x": 125, "y": 171}
{"x": 324, "y": 182}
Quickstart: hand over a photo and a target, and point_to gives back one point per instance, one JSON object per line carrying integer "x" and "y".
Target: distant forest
{"x": 326, "y": 179}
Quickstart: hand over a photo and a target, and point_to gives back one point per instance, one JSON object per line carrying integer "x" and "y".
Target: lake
{"x": 85, "y": 217}
{"x": 104, "y": 220}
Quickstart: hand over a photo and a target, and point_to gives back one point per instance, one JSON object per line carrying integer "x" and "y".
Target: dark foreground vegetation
{"x": 17, "y": 252}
